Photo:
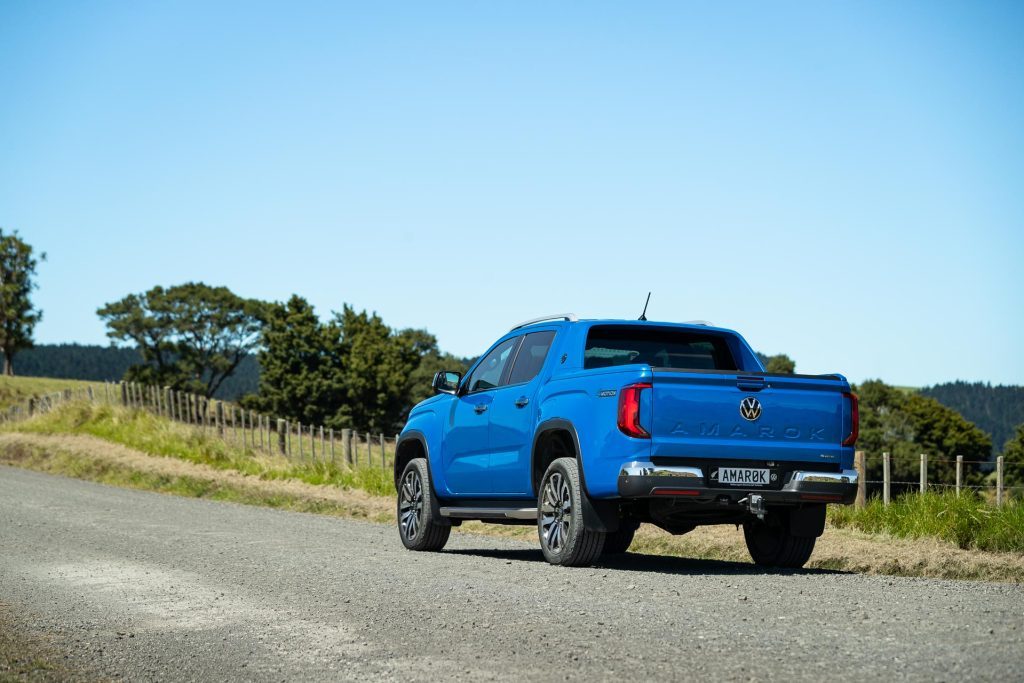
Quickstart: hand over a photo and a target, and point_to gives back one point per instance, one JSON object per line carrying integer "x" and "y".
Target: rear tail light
{"x": 629, "y": 411}
{"x": 851, "y": 439}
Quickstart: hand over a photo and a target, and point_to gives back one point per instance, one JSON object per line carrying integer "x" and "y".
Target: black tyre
{"x": 771, "y": 544}
{"x": 563, "y": 538}
{"x": 618, "y": 542}
{"x": 416, "y": 524}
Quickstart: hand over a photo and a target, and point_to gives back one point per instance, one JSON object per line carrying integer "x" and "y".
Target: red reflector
{"x": 851, "y": 439}
{"x": 675, "y": 492}
{"x": 629, "y": 411}
{"x": 821, "y": 497}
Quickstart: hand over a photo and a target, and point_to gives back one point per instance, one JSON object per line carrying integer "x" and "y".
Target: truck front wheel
{"x": 772, "y": 543}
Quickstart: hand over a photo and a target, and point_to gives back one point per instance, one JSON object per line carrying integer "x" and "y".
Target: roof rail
{"x": 705, "y": 323}
{"x": 571, "y": 317}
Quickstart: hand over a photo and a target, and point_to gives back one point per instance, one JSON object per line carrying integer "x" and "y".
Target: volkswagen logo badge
{"x": 750, "y": 408}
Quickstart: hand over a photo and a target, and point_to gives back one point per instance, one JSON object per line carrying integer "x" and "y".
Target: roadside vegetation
{"x": 153, "y": 435}
{"x": 937, "y": 536}
{"x": 15, "y": 390}
{"x": 967, "y": 520}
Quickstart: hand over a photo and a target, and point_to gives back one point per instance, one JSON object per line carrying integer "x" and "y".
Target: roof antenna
{"x": 643, "y": 316}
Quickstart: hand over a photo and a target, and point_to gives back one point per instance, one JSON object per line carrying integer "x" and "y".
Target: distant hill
{"x": 109, "y": 363}
{"x": 995, "y": 409}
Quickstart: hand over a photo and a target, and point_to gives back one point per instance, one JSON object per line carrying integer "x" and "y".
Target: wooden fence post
{"x": 282, "y": 442}
{"x": 330, "y": 435}
{"x": 323, "y": 450}
{"x": 346, "y": 444}
{"x": 959, "y": 473}
{"x": 383, "y": 462}
{"x": 924, "y": 472}
{"x": 860, "y": 462}
{"x": 886, "y": 478}
{"x": 999, "y": 481}
{"x": 298, "y": 432}
{"x": 369, "y": 451}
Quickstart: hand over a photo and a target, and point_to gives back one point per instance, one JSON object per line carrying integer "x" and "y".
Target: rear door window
{"x": 659, "y": 347}
{"x": 531, "y": 356}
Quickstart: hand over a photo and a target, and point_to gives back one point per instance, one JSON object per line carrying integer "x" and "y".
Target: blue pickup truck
{"x": 588, "y": 428}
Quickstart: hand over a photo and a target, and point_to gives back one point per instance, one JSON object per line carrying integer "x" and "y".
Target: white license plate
{"x": 743, "y": 476}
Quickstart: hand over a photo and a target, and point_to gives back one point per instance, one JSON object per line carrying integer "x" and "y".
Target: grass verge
{"x": 966, "y": 520}
{"x": 117, "y": 446}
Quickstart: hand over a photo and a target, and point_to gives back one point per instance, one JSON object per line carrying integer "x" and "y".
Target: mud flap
{"x": 807, "y": 521}
{"x": 600, "y": 515}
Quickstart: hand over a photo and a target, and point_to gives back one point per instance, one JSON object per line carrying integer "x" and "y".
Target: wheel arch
{"x": 556, "y": 438}
{"x": 411, "y": 445}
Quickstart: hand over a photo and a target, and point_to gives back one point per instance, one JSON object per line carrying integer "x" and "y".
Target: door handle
{"x": 521, "y": 402}
{"x": 480, "y": 408}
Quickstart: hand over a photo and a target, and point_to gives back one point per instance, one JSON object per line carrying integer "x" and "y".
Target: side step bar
{"x": 489, "y": 513}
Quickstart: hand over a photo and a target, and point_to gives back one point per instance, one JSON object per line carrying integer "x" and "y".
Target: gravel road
{"x": 144, "y": 586}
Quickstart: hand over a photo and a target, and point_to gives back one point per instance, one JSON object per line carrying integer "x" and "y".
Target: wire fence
{"x": 927, "y": 477}
{"x": 236, "y": 426}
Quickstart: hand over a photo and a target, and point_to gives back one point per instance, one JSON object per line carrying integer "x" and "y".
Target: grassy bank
{"x": 19, "y": 389}
{"x": 157, "y": 436}
{"x": 116, "y": 446}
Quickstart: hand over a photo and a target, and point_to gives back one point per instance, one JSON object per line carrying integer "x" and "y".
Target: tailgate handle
{"x": 750, "y": 383}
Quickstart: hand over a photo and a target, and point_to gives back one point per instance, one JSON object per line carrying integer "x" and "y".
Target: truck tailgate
{"x": 795, "y": 418}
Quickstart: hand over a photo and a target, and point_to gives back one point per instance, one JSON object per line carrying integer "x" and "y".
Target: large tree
{"x": 351, "y": 371}
{"x": 18, "y": 317}
{"x": 301, "y": 363}
{"x": 190, "y": 336}
{"x": 779, "y": 363}
{"x": 906, "y": 424}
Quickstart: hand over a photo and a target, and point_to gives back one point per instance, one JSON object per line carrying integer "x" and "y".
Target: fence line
{"x": 229, "y": 422}
{"x": 923, "y": 482}
{"x": 272, "y": 436}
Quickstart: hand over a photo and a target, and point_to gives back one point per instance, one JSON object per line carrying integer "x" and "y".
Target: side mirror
{"x": 446, "y": 382}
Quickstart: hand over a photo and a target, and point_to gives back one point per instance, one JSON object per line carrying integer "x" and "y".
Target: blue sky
{"x": 843, "y": 182}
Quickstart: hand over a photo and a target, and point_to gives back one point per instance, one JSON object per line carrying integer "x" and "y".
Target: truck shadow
{"x": 659, "y": 564}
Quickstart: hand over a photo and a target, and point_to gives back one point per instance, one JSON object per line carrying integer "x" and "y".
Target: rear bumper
{"x": 647, "y": 480}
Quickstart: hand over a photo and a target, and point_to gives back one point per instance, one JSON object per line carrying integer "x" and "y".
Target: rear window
{"x": 659, "y": 347}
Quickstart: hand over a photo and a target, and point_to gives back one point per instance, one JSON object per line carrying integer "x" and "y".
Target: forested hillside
{"x": 109, "y": 363}
{"x": 995, "y": 409}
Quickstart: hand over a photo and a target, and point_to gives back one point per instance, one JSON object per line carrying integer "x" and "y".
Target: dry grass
{"x": 92, "y": 458}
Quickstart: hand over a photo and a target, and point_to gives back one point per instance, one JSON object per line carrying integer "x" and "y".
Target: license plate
{"x": 742, "y": 476}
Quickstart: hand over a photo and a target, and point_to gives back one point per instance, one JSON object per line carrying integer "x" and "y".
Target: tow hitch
{"x": 755, "y": 503}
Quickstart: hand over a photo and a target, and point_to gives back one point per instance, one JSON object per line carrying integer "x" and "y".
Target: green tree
{"x": 301, "y": 363}
{"x": 1013, "y": 459}
{"x": 191, "y": 336}
{"x": 781, "y": 363}
{"x": 377, "y": 370}
{"x": 18, "y": 317}
{"x": 907, "y": 424}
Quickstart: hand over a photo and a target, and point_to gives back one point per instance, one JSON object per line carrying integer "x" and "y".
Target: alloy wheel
{"x": 556, "y": 512}
{"x": 410, "y": 507}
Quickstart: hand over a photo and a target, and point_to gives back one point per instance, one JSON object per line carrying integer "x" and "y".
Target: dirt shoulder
{"x": 91, "y": 458}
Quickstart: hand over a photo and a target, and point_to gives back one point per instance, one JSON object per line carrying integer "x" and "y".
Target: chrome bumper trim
{"x": 648, "y": 469}
{"x": 844, "y": 477}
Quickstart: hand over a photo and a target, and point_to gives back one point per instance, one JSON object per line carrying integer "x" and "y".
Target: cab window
{"x": 488, "y": 373}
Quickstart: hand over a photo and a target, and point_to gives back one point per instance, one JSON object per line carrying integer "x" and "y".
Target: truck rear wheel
{"x": 771, "y": 542}
{"x": 564, "y": 539}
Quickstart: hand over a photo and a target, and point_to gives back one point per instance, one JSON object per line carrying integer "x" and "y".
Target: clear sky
{"x": 843, "y": 182}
